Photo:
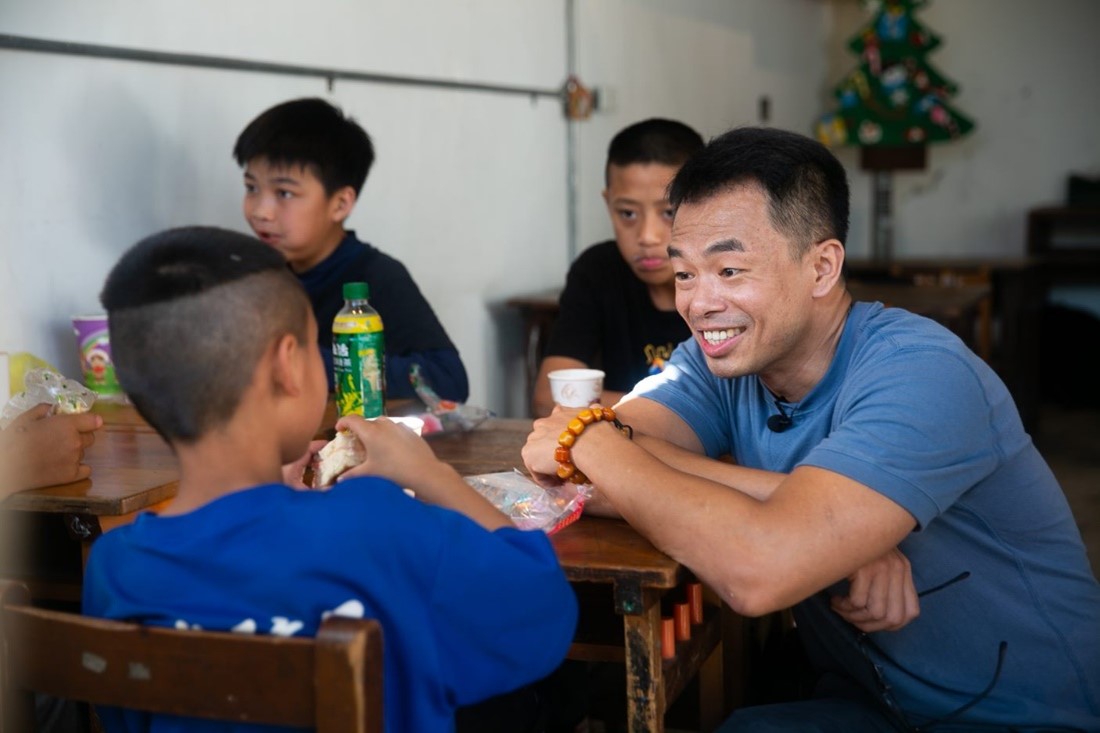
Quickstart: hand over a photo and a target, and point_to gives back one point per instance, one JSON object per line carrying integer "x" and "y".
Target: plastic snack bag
{"x": 67, "y": 396}
{"x": 529, "y": 505}
{"x": 451, "y": 415}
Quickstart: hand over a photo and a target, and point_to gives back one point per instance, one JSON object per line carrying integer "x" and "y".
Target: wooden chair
{"x": 332, "y": 683}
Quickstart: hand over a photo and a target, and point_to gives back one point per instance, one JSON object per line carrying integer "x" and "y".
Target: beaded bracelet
{"x": 563, "y": 453}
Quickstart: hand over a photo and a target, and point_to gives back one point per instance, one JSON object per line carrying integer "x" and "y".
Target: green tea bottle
{"x": 358, "y": 355}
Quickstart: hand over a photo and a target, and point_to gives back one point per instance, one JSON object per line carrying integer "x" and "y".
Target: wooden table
{"x": 608, "y": 555}
{"x": 621, "y": 579}
{"x": 133, "y": 470}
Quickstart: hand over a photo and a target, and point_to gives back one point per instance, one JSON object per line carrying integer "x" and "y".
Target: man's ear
{"x": 828, "y": 263}
{"x": 341, "y": 203}
{"x": 286, "y": 376}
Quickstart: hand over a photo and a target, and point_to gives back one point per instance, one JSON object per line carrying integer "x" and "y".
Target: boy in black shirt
{"x": 618, "y": 309}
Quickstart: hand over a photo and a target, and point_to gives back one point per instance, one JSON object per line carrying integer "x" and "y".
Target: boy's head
{"x": 304, "y": 165}
{"x": 193, "y": 312}
{"x": 641, "y": 161}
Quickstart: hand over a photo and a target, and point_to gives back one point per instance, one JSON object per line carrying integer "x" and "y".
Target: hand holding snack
{"x": 392, "y": 450}
{"x": 39, "y": 449}
{"x": 395, "y": 451}
{"x": 294, "y": 473}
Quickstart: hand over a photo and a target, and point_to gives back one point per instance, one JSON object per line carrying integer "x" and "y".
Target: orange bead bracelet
{"x": 563, "y": 453}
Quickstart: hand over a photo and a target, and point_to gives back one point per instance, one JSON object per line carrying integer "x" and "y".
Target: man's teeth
{"x": 717, "y": 337}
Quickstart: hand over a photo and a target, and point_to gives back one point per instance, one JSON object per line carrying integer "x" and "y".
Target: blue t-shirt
{"x": 466, "y": 614}
{"x": 909, "y": 411}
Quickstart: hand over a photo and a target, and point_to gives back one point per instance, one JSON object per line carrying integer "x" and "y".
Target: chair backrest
{"x": 332, "y": 683}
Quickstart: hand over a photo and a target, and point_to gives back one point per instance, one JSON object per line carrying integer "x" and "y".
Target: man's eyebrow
{"x": 726, "y": 245}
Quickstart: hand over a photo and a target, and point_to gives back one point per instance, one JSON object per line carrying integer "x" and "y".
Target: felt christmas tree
{"x": 895, "y": 97}
{"x": 892, "y": 105}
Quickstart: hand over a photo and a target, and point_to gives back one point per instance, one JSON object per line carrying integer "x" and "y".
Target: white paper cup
{"x": 576, "y": 387}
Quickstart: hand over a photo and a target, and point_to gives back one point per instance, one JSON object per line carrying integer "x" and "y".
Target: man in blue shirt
{"x": 856, "y": 429}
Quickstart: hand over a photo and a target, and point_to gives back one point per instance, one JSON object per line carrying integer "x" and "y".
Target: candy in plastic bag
{"x": 67, "y": 396}
{"x": 529, "y": 505}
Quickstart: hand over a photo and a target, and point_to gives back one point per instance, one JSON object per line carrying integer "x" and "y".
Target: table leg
{"x": 645, "y": 687}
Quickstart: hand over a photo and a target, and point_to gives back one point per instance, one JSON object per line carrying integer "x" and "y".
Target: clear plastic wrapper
{"x": 449, "y": 414}
{"x": 529, "y": 505}
{"x": 67, "y": 396}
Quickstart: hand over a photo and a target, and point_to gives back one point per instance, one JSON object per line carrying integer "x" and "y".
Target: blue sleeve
{"x": 505, "y": 612}
{"x": 687, "y": 387}
{"x": 919, "y": 427}
{"x": 441, "y": 368}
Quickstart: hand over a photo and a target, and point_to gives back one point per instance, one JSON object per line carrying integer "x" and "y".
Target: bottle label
{"x": 358, "y": 362}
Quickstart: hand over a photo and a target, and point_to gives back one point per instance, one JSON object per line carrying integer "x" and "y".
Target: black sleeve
{"x": 576, "y": 332}
{"x": 413, "y": 332}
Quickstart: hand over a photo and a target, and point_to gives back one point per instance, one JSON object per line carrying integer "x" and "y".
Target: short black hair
{"x": 191, "y": 311}
{"x": 806, "y": 186}
{"x": 655, "y": 140}
{"x": 314, "y": 134}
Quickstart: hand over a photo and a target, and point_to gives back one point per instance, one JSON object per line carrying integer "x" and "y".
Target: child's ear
{"x": 286, "y": 375}
{"x": 341, "y": 203}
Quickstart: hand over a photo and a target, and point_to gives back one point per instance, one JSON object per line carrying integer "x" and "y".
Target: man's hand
{"x": 39, "y": 449}
{"x": 881, "y": 595}
{"x": 538, "y": 451}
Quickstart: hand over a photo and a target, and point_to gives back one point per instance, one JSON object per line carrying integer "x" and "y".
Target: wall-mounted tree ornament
{"x": 893, "y": 104}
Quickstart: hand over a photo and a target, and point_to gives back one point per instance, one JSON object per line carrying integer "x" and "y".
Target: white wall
{"x": 467, "y": 190}
{"x": 706, "y": 63}
{"x": 470, "y": 189}
{"x": 1027, "y": 75}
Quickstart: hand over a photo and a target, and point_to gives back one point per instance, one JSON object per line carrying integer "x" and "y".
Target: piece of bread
{"x": 341, "y": 453}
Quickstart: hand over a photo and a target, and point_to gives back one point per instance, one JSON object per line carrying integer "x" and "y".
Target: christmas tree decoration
{"x": 895, "y": 97}
{"x": 892, "y": 105}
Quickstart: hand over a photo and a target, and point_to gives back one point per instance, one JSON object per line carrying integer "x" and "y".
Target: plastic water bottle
{"x": 358, "y": 355}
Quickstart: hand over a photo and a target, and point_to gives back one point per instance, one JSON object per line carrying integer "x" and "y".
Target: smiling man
{"x": 858, "y": 431}
{"x": 618, "y": 309}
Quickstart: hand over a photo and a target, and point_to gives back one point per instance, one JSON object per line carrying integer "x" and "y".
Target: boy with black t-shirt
{"x": 618, "y": 310}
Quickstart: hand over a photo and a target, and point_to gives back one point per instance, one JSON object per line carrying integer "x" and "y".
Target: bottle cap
{"x": 356, "y": 291}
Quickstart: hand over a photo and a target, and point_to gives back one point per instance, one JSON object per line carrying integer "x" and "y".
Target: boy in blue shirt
{"x": 215, "y": 343}
{"x": 304, "y": 166}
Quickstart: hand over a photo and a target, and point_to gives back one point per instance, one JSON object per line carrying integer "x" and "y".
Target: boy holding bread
{"x": 470, "y": 606}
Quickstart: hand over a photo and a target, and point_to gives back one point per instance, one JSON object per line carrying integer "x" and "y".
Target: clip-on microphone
{"x": 782, "y": 421}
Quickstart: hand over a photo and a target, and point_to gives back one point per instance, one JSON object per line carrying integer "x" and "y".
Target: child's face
{"x": 287, "y": 208}
{"x": 642, "y": 218}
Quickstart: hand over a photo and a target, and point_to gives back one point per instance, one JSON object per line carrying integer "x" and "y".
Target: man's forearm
{"x": 756, "y": 483}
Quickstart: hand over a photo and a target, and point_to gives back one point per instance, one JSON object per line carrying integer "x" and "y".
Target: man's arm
{"x": 814, "y": 528}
